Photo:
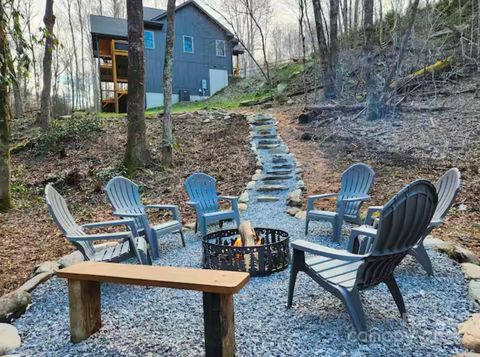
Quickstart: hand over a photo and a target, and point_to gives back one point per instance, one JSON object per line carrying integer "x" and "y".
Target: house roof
{"x": 149, "y": 13}
{"x": 118, "y": 28}
{"x": 194, "y": 3}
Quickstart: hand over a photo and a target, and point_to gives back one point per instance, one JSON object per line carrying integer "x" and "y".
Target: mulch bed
{"x": 403, "y": 147}
{"x": 210, "y": 142}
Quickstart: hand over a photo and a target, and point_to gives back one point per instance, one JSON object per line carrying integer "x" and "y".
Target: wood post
{"x": 219, "y": 325}
{"x": 85, "y": 312}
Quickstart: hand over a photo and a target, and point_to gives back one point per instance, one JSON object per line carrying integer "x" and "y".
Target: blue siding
{"x": 189, "y": 69}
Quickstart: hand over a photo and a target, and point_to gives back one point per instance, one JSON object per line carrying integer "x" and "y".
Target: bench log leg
{"x": 219, "y": 325}
{"x": 85, "y": 313}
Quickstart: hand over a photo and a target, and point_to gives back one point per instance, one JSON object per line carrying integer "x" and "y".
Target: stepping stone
{"x": 285, "y": 166}
{"x": 265, "y": 136}
{"x": 268, "y": 146}
{"x": 266, "y": 188}
{"x": 264, "y": 127}
{"x": 278, "y": 150}
{"x": 268, "y": 142}
{"x": 279, "y": 172}
{"x": 277, "y": 178}
{"x": 267, "y": 199}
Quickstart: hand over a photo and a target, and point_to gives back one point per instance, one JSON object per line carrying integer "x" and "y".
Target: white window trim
{"x": 153, "y": 38}
{"x": 193, "y": 44}
{"x": 224, "y": 48}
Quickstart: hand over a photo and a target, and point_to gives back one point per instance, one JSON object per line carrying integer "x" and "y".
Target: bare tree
{"x": 5, "y": 58}
{"x": 137, "y": 154}
{"x": 168, "y": 141}
{"x": 46, "y": 102}
{"x": 75, "y": 56}
{"x": 328, "y": 50}
{"x": 27, "y": 14}
{"x": 82, "y": 48}
{"x": 374, "y": 109}
{"x": 118, "y": 8}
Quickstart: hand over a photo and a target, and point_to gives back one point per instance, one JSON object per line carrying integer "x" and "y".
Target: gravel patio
{"x": 166, "y": 322}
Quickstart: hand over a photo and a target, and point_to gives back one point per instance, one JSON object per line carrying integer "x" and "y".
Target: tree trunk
{"x": 168, "y": 140}
{"x": 80, "y": 20}
{"x": 46, "y": 100}
{"x": 17, "y": 97}
{"x": 137, "y": 154}
{"x": 321, "y": 39}
{"x": 331, "y": 74}
{"x": 5, "y": 198}
{"x": 374, "y": 107}
{"x": 75, "y": 57}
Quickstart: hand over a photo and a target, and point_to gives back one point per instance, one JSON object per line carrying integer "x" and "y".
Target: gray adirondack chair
{"x": 448, "y": 188}
{"x": 124, "y": 197}
{"x": 202, "y": 192}
{"x": 130, "y": 243}
{"x": 356, "y": 183}
{"x": 402, "y": 222}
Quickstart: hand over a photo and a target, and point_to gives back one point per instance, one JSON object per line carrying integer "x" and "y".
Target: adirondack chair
{"x": 130, "y": 243}
{"x": 124, "y": 196}
{"x": 448, "y": 188}
{"x": 402, "y": 222}
{"x": 202, "y": 191}
{"x": 356, "y": 183}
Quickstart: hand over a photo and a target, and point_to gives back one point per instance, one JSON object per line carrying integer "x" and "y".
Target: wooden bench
{"x": 217, "y": 286}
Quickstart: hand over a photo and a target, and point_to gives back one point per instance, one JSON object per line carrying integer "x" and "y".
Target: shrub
{"x": 73, "y": 129}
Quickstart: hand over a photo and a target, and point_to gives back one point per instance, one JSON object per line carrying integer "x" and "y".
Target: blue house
{"x": 203, "y": 56}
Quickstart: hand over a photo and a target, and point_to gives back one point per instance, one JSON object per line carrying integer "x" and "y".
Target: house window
{"x": 220, "y": 48}
{"x": 149, "y": 40}
{"x": 188, "y": 44}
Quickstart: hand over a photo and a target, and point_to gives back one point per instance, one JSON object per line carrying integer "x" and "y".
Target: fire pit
{"x": 266, "y": 253}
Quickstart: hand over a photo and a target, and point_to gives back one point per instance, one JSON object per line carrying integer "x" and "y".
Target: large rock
{"x": 31, "y": 284}
{"x": 71, "y": 259}
{"x": 189, "y": 225}
{"x": 14, "y": 304}
{"x": 292, "y": 211}
{"x": 435, "y": 243}
{"x": 471, "y": 271}
{"x": 460, "y": 254}
{"x": 301, "y": 215}
{"x": 294, "y": 198}
{"x": 9, "y": 338}
{"x": 470, "y": 330}
{"x": 474, "y": 290}
{"x": 242, "y": 207}
{"x": 244, "y": 197}
{"x": 47, "y": 267}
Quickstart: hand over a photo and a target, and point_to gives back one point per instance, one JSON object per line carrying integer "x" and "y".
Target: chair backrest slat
{"x": 61, "y": 215}
{"x": 202, "y": 188}
{"x": 402, "y": 223}
{"x": 448, "y": 188}
{"x": 124, "y": 195}
{"x": 356, "y": 181}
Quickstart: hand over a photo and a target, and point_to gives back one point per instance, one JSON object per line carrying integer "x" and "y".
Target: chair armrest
{"x": 193, "y": 203}
{"x": 311, "y": 199}
{"x": 357, "y": 244}
{"x": 233, "y": 201}
{"x": 326, "y": 252}
{"x": 172, "y": 208}
{"x": 358, "y": 198}
{"x": 228, "y": 198}
{"x": 118, "y": 222}
{"x": 127, "y": 214}
{"x": 371, "y": 210}
{"x": 100, "y": 236}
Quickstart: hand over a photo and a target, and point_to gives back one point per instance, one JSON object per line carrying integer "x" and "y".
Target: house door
{"x": 218, "y": 80}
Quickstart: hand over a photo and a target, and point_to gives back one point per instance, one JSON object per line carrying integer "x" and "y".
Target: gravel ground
{"x": 164, "y": 322}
